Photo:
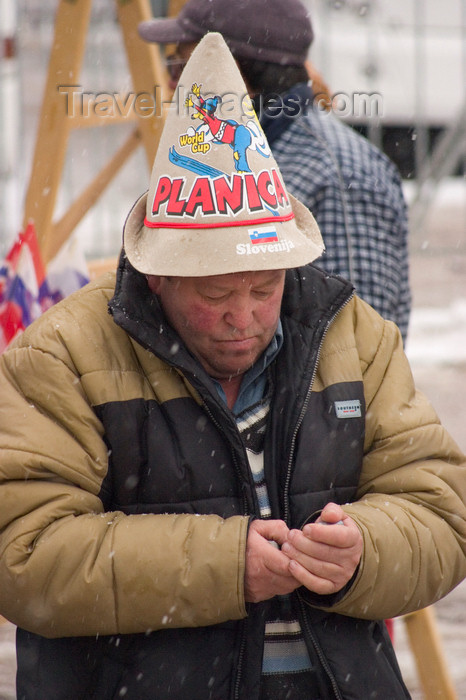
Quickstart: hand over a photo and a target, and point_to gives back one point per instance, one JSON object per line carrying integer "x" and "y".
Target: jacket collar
{"x": 277, "y": 116}
{"x": 138, "y": 312}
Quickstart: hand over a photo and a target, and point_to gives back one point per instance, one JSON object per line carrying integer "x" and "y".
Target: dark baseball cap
{"x": 274, "y": 31}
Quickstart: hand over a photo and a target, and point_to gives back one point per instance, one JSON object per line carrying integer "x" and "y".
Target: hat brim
{"x": 166, "y": 31}
{"x": 202, "y": 252}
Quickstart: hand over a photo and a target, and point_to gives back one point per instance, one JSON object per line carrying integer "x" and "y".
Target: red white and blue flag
{"x": 68, "y": 270}
{"x": 263, "y": 234}
{"x": 26, "y": 291}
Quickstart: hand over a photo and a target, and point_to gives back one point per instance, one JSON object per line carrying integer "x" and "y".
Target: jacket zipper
{"x": 319, "y": 652}
{"x": 234, "y": 457}
{"x": 286, "y": 508}
{"x": 242, "y": 647}
{"x": 240, "y": 662}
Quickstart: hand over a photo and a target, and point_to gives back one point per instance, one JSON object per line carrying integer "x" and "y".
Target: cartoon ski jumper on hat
{"x": 228, "y": 131}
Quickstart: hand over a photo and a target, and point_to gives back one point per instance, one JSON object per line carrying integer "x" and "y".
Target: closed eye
{"x": 215, "y": 298}
{"x": 262, "y": 294}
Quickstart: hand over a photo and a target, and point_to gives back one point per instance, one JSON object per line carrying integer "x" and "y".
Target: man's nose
{"x": 240, "y": 314}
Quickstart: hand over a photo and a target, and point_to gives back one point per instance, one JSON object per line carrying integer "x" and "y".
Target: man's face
{"x": 226, "y": 321}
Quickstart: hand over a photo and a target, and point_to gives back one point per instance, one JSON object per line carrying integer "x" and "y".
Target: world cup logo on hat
{"x": 238, "y": 136}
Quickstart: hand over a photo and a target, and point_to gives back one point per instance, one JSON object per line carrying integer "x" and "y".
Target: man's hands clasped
{"x": 323, "y": 556}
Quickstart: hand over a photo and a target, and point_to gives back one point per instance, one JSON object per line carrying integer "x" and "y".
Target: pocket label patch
{"x": 348, "y": 409}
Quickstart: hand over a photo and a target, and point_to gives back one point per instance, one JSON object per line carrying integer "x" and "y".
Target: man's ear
{"x": 154, "y": 283}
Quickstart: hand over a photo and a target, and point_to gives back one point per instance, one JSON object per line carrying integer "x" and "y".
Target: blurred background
{"x": 397, "y": 69}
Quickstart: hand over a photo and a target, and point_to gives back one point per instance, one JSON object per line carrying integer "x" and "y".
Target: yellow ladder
{"x": 147, "y": 71}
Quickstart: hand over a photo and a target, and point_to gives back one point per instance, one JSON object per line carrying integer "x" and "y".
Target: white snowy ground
{"x": 436, "y": 343}
{"x": 436, "y": 348}
{"x": 438, "y": 334}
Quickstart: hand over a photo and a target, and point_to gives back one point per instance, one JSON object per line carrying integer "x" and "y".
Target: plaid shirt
{"x": 355, "y": 194}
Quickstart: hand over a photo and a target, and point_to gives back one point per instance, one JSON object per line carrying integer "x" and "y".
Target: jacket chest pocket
{"x": 168, "y": 458}
{"x": 329, "y": 447}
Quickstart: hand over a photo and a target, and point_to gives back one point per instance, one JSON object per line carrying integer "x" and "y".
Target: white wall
{"x": 411, "y": 52}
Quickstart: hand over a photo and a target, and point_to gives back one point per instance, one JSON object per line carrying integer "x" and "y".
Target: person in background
{"x": 217, "y": 478}
{"x": 352, "y": 188}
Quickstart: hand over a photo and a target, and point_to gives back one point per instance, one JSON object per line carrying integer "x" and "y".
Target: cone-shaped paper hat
{"x": 217, "y": 202}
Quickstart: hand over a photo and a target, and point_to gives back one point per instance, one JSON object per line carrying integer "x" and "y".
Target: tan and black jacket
{"x": 126, "y": 497}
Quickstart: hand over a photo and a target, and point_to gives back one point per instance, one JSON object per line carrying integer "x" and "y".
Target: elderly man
{"x": 221, "y": 488}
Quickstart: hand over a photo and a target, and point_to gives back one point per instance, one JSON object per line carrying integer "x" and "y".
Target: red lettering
{"x": 227, "y": 196}
{"x": 161, "y": 194}
{"x": 254, "y": 200}
{"x": 200, "y": 197}
{"x": 176, "y": 205}
{"x": 263, "y": 183}
{"x": 280, "y": 191}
